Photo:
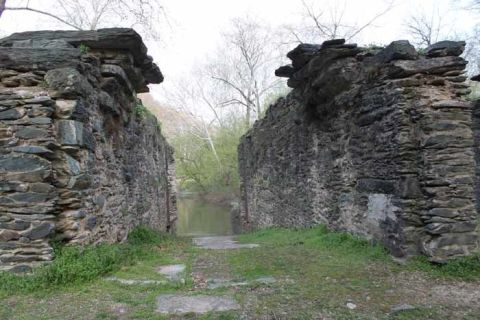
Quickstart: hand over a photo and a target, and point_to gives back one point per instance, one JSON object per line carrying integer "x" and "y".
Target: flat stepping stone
{"x": 135, "y": 281}
{"x": 172, "y": 272}
{"x": 222, "y": 283}
{"x": 223, "y": 242}
{"x": 180, "y": 304}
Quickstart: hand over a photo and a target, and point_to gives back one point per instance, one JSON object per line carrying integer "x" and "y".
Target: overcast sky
{"x": 195, "y": 27}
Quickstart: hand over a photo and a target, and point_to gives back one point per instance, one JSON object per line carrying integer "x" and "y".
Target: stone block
{"x": 69, "y": 132}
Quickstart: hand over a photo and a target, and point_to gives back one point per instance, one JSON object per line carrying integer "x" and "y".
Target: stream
{"x": 197, "y": 217}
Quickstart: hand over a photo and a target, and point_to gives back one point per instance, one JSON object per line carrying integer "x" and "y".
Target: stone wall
{"x": 377, "y": 142}
{"x": 81, "y": 160}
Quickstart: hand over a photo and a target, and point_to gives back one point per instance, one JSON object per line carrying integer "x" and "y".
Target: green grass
{"x": 466, "y": 268}
{"x": 317, "y": 272}
{"x": 77, "y": 265}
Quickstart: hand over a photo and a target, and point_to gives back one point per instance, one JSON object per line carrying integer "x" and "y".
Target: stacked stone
{"x": 373, "y": 141}
{"x": 78, "y": 162}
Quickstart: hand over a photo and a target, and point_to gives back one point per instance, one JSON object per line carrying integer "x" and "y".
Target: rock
{"x": 397, "y": 50}
{"x": 12, "y": 114}
{"x": 285, "y": 71}
{"x": 119, "y": 39}
{"x": 91, "y": 222}
{"x": 40, "y": 121}
{"x": 221, "y": 243}
{"x": 21, "y": 268}
{"x": 17, "y": 225}
{"x": 32, "y": 149}
{"x": 199, "y": 304}
{"x": 40, "y": 231}
{"x": 172, "y": 272}
{"x": 70, "y": 132}
{"x": 332, "y": 43}
{"x": 41, "y": 43}
{"x": 351, "y": 305}
{"x": 64, "y": 108}
{"x": 110, "y": 70}
{"x": 32, "y": 133}
{"x": 8, "y": 235}
{"x": 405, "y": 68}
{"x": 68, "y": 83}
{"x": 302, "y": 54}
{"x": 446, "y": 48}
{"x": 107, "y": 103}
{"x": 27, "y": 59}
{"x": 23, "y": 163}
{"x": 401, "y": 308}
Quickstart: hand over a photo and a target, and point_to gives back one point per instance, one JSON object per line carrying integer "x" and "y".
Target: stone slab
{"x": 181, "y": 304}
{"x": 172, "y": 272}
{"x": 221, "y": 243}
{"x": 132, "y": 282}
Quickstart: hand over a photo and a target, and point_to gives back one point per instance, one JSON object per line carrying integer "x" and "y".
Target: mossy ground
{"x": 317, "y": 273}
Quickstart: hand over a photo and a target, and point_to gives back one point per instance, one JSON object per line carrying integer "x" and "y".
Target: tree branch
{"x": 41, "y": 12}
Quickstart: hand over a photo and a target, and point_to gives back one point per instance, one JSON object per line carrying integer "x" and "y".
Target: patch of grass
{"x": 319, "y": 237}
{"x": 75, "y": 265}
{"x": 465, "y": 268}
{"x": 84, "y": 48}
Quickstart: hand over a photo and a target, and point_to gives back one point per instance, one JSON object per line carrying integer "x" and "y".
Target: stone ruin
{"x": 81, "y": 160}
{"x": 377, "y": 142}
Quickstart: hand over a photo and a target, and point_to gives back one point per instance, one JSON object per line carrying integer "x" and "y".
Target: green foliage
{"x": 373, "y": 48}
{"x": 422, "y": 51}
{"x": 75, "y": 264}
{"x": 84, "y": 48}
{"x": 197, "y": 166}
{"x": 475, "y": 94}
{"x": 141, "y": 111}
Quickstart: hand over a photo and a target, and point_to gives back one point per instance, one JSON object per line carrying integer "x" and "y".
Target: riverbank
{"x": 315, "y": 274}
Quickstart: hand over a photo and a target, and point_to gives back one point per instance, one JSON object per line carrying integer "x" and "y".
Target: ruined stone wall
{"x": 375, "y": 142}
{"x": 81, "y": 160}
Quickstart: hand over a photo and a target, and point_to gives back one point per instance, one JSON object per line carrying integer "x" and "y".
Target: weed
{"x": 84, "y": 48}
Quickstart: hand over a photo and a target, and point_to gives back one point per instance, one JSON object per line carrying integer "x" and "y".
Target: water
{"x": 196, "y": 217}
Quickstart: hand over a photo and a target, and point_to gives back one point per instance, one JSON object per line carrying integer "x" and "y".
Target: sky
{"x": 194, "y": 27}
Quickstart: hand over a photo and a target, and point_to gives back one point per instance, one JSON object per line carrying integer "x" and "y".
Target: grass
{"x": 77, "y": 265}
{"x": 317, "y": 272}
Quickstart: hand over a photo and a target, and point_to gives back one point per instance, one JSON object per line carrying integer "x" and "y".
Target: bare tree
{"x": 144, "y": 15}
{"x": 426, "y": 28}
{"x": 330, "y": 22}
{"x": 244, "y": 67}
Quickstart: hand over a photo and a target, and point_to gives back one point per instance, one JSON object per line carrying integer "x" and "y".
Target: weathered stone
{"x": 27, "y": 59}
{"x": 91, "y": 222}
{"x": 64, "y": 108}
{"x": 302, "y": 54}
{"x": 8, "y": 235}
{"x": 32, "y": 133}
{"x": 41, "y": 231}
{"x": 285, "y": 71}
{"x": 69, "y": 132}
{"x": 397, "y": 50}
{"x": 68, "y": 83}
{"x": 22, "y": 163}
{"x": 32, "y": 149}
{"x": 12, "y": 114}
{"x": 177, "y": 304}
{"x": 446, "y": 48}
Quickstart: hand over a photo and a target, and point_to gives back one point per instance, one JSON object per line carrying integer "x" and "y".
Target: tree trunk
{"x": 2, "y": 6}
